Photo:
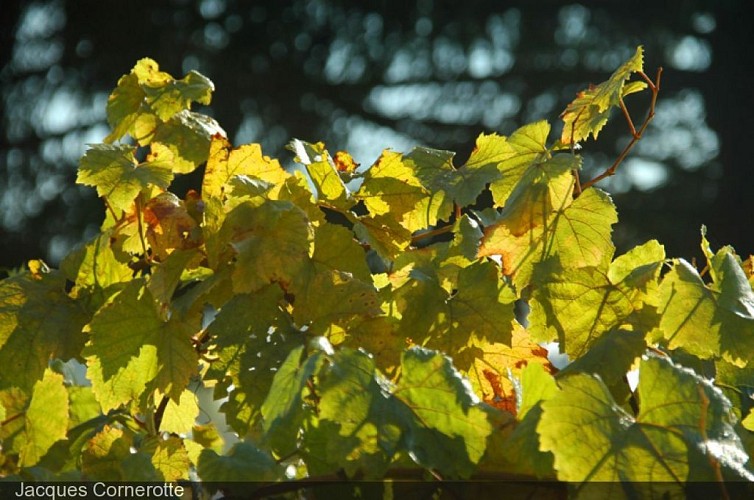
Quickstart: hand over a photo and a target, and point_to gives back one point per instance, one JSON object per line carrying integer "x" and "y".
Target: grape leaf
{"x": 171, "y": 460}
{"x": 186, "y": 138}
{"x": 94, "y": 264}
{"x": 131, "y": 346}
{"x": 708, "y": 322}
{"x": 108, "y": 457}
{"x": 681, "y": 418}
{"x": 383, "y": 234}
{"x": 282, "y": 411}
{"x": 173, "y": 96}
{"x": 335, "y": 284}
{"x": 578, "y": 234}
{"x": 251, "y": 344}
{"x": 45, "y": 419}
{"x": 114, "y": 171}
{"x": 225, "y": 163}
{"x": 450, "y": 426}
{"x": 494, "y": 367}
{"x": 179, "y": 416}
{"x": 435, "y": 170}
{"x": 322, "y": 171}
{"x": 271, "y": 243}
{"x": 611, "y": 356}
{"x": 588, "y": 113}
{"x": 519, "y": 451}
{"x": 148, "y": 90}
{"x": 542, "y": 189}
{"x": 38, "y": 321}
{"x": 169, "y": 226}
{"x": 244, "y": 464}
{"x": 592, "y": 439}
{"x": 391, "y": 186}
{"x": 577, "y": 306}
{"x": 356, "y": 428}
{"x": 525, "y": 147}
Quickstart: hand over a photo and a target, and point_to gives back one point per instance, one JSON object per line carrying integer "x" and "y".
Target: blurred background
{"x": 364, "y": 76}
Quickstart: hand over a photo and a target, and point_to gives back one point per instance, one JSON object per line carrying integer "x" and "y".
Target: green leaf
{"x": 45, "y": 420}
{"x": 167, "y": 96}
{"x": 324, "y": 298}
{"x": 114, "y": 171}
{"x": 94, "y": 264}
{"x": 436, "y": 171}
{"x": 521, "y": 451}
{"x": 225, "y": 163}
{"x": 131, "y": 346}
{"x": 282, "y": 411}
{"x": 681, "y": 418}
{"x": 588, "y": 113}
{"x": 384, "y": 234}
{"x": 243, "y": 464}
{"x": 706, "y": 322}
{"x": 536, "y": 385}
{"x": 578, "y": 306}
{"x": 83, "y": 406}
{"x": 125, "y": 108}
{"x": 148, "y": 94}
{"x": 357, "y": 428}
{"x": 577, "y": 234}
{"x": 450, "y": 426}
{"x": 592, "y": 439}
{"x": 185, "y": 138}
{"x": 336, "y": 248}
{"x": 252, "y": 342}
{"x": 335, "y": 284}
{"x": 171, "y": 460}
{"x": 108, "y": 457}
{"x": 322, "y": 172}
{"x": 542, "y": 189}
{"x": 392, "y": 186}
{"x": 525, "y": 147}
{"x": 179, "y": 416}
{"x": 483, "y": 305}
{"x": 611, "y": 356}
{"x": 38, "y": 321}
{"x": 271, "y": 243}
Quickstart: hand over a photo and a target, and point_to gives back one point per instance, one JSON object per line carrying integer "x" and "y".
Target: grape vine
{"x": 360, "y": 323}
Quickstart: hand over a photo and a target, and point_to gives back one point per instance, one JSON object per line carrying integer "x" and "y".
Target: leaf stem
{"x": 434, "y": 232}
{"x": 11, "y": 419}
{"x": 637, "y": 134}
{"x": 141, "y": 227}
{"x": 160, "y": 412}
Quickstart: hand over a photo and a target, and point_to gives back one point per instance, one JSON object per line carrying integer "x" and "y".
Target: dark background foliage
{"x": 366, "y": 76}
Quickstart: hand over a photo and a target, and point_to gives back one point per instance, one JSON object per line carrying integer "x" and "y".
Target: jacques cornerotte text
{"x": 98, "y": 490}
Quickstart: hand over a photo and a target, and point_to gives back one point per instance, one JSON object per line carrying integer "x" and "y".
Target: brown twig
{"x": 141, "y": 228}
{"x": 434, "y": 232}
{"x": 11, "y": 419}
{"x": 636, "y": 134}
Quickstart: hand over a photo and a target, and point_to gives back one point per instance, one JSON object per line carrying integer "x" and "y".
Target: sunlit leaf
{"x": 186, "y": 136}
{"x": 588, "y": 113}
{"x": 45, "y": 420}
{"x": 707, "y": 322}
{"x": 38, "y": 321}
{"x": 578, "y": 234}
{"x": 131, "y": 346}
{"x": 118, "y": 177}
{"x": 451, "y": 427}
{"x": 578, "y": 306}
{"x": 171, "y": 460}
